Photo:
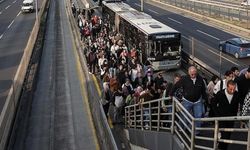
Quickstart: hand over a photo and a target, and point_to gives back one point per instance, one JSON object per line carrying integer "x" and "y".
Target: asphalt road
{"x": 15, "y": 29}
{"x": 206, "y": 37}
{"x": 59, "y": 117}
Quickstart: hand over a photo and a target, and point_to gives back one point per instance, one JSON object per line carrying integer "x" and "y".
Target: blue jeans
{"x": 196, "y": 109}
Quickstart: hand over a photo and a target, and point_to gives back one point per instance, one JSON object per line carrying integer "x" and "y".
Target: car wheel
{"x": 236, "y": 55}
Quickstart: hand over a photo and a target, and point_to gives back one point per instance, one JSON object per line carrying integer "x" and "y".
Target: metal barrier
{"x": 177, "y": 120}
{"x": 218, "y": 10}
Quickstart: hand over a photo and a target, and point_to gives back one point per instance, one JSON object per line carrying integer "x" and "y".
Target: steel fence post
{"x": 135, "y": 116}
{"x": 141, "y": 117}
{"x": 158, "y": 115}
{"x": 173, "y": 116}
{"x": 192, "y": 135}
{"x": 216, "y": 130}
{"x": 248, "y": 138}
{"x": 150, "y": 117}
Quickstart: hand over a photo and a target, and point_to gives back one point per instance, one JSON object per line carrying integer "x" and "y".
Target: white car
{"x": 245, "y": 3}
{"x": 28, "y": 6}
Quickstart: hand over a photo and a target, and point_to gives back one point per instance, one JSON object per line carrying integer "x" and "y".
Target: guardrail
{"x": 177, "y": 120}
{"x": 12, "y": 100}
{"x": 239, "y": 16}
{"x": 103, "y": 131}
{"x": 231, "y": 25}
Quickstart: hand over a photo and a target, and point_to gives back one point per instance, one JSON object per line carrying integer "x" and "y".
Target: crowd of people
{"x": 127, "y": 81}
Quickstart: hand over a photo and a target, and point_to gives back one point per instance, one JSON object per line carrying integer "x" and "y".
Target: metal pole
{"x": 86, "y": 10}
{"x": 135, "y": 116}
{"x": 220, "y": 63}
{"x": 216, "y": 131}
{"x": 192, "y": 47}
{"x": 142, "y": 118}
{"x": 192, "y": 135}
{"x": 248, "y": 138}
{"x": 142, "y": 5}
{"x": 173, "y": 115}
{"x": 158, "y": 115}
{"x": 36, "y": 10}
{"x": 150, "y": 117}
{"x": 248, "y": 26}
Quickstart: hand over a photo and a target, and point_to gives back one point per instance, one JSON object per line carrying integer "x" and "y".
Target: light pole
{"x": 220, "y": 62}
{"x": 86, "y": 10}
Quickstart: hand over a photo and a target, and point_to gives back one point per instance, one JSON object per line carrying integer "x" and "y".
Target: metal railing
{"x": 235, "y": 14}
{"x": 176, "y": 119}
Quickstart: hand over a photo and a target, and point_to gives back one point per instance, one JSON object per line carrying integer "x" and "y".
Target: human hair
{"x": 228, "y": 73}
{"x": 233, "y": 69}
{"x": 177, "y": 75}
{"x": 231, "y": 82}
{"x": 214, "y": 77}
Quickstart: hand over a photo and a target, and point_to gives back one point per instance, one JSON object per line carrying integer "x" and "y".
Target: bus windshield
{"x": 164, "y": 49}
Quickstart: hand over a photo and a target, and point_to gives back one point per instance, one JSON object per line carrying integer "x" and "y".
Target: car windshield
{"x": 241, "y": 41}
{"x": 27, "y": 4}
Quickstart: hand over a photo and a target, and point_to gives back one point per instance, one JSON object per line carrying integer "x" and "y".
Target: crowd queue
{"x": 127, "y": 81}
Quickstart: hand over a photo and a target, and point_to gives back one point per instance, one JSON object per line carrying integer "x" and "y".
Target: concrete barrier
{"x": 9, "y": 108}
{"x": 103, "y": 131}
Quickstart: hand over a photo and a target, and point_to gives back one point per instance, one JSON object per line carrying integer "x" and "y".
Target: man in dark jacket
{"x": 243, "y": 83}
{"x": 194, "y": 90}
{"x": 226, "y": 103}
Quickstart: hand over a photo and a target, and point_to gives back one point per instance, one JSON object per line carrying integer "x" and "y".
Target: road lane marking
{"x": 138, "y": 5}
{"x": 0, "y": 12}
{"x": 174, "y": 20}
{"x": 208, "y": 35}
{"x": 153, "y": 11}
{"x": 18, "y": 13}
{"x": 11, "y": 24}
{"x": 185, "y": 37}
{"x": 1, "y": 36}
{"x": 223, "y": 57}
{"x": 14, "y": 2}
{"x": 1, "y": 1}
{"x": 7, "y": 7}
{"x": 216, "y": 53}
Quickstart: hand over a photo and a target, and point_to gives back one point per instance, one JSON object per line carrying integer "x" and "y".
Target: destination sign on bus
{"x": 168, "y": 36}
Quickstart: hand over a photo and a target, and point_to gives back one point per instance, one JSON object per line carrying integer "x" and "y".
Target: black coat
{"x": 191, "y": 92}
{"x": 222, "y": 107}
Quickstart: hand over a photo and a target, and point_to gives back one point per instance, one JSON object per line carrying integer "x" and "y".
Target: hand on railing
{"x": 164, "y": 108}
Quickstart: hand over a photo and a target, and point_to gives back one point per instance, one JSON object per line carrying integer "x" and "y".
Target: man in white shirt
{"x": 226, "y": 103}
{"x": 227, "y": 76}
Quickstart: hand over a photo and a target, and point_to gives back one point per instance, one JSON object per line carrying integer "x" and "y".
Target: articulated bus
{"x": 110, "y": 10}
{"x": 159, "y": 44}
